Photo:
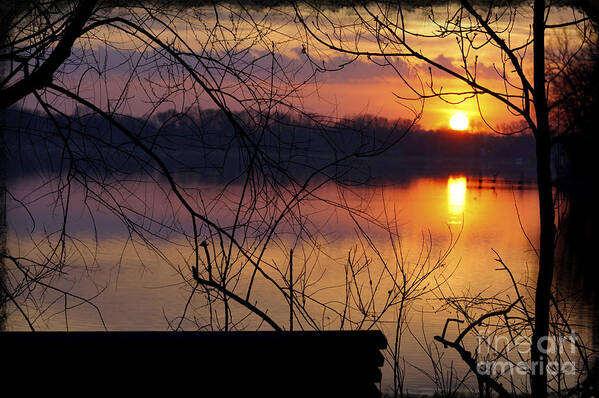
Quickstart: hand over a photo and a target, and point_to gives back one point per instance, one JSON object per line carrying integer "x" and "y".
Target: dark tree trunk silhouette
{"x": 546, "y": 209}
{"x": 42, "y": 76}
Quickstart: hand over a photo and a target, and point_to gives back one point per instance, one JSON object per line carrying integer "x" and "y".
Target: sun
{"x": 459, "y": 121}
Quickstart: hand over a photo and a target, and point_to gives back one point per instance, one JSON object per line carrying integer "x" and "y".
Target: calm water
{"x": 139, "y": 283}
{"x": 140, "y": 278}
{"x": 139, "y": 286}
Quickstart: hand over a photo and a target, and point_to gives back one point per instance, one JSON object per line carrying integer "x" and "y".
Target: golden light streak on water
{"x": 456, "y": 199}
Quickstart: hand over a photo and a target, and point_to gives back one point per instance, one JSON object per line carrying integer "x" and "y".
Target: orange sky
{"x": 357, "y": 88}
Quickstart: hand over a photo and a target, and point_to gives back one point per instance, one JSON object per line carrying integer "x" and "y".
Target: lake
{"x": 139, "y": 284}
{"x": 270, "y": 130}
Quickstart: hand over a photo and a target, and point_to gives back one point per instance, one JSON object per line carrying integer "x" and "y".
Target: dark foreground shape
{"x": 186, "y": 364}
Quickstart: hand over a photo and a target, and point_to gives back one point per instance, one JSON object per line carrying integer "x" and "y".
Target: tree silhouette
{"x": 256, "y": 138}
{"x": 220, "y": 103}
{"x": 383, "y": 33}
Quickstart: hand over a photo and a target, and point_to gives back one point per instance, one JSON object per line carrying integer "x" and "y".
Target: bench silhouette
{"x": 176, "y": 364}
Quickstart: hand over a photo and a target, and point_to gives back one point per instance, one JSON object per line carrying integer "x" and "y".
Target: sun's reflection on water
{"x": 456, "y": 199}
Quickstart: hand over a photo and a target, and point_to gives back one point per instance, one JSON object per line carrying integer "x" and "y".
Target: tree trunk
{"x": 546, "y": 210}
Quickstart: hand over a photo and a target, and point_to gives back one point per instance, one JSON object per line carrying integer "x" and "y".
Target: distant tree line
{"x": 204, "y": 140}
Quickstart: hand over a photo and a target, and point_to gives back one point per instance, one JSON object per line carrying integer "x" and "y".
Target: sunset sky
{"x": 350, "y": 86}
{"x": 383, "y": 167}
